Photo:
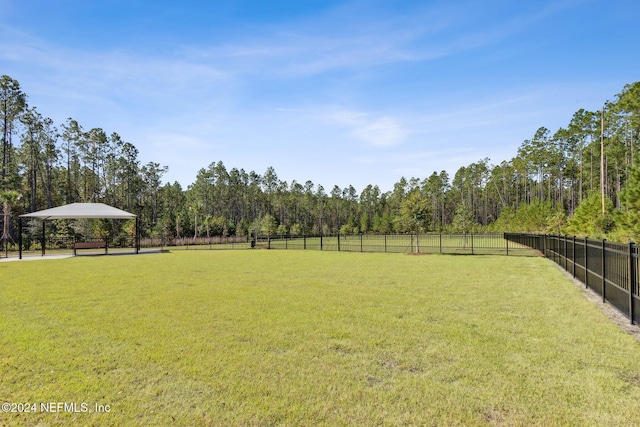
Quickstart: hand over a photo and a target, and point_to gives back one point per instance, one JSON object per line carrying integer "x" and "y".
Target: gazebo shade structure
{"x": 79, "y": 211}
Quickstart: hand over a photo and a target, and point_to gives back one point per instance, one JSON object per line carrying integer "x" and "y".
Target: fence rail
{"x": 472, "y": 244}
{"x": 610, "y": 269}
{"x": 213, "y": 242}
{"x": 33, "y": 245}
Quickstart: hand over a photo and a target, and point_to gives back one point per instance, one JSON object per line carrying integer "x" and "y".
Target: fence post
{"x": 385, "y": 242}
{"x": 440, "y": 243}
{"x": 360, "y": 242}
{"x": 574, "y": 257}
{"x": 604, "y": 266}
{"x": 560, "y": 250}
{"x": 586, "y": 262}
{"x": 507, "y": 241}
{"x": 548, "y": 248}
{"x": 566, "y": 254}
{"x": 305, "y": 241}
{"x": 338, "y": 242}
{"x": 321, "y": 242}
{"x": 632, "y": 280}
{"x": 471, "y": 243}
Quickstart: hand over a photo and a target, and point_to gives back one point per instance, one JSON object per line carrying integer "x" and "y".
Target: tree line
{"x": 581, "y": 179}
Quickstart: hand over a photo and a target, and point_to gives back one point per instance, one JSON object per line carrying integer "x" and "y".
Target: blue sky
{"x": 336, "y": 92}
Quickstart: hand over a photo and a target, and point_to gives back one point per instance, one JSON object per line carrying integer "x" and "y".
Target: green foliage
{"x": 296, "y": 229}
{"x": 166, "y": 227}
{"x": 629, "y": 216}
{"x": 463, "y": 221}
{"x": 230, "y": 229}
{"x": 326, "y": 229}
{"x": 588, "y": 219}
{"x": 242, "y": 228}
{"x": 537, "y": 217}
{"x": 129, "y": 228}
{"x": 268, "y": 225}
{"x": 216, "y": 225}
{"x": 364, "y": 222}
{"x": 505, "y": 221}
{"x": 534, "y": 218}
{"x": 533, "y": 192}
{"x": 102, "y": 228}
{"x": 556, "y": 221}
{"x": 347, "y": 229}
{"x": 282, "y": 229}
{"x": 414, "y": 214}
{"x": 61, "y": 228}
{"x": 351, "y": 227}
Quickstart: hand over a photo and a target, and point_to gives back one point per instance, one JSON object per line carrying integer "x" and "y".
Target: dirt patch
{"x": 612, "y": 313}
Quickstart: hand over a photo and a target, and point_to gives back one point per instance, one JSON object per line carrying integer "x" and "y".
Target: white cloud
{"x": 380, "y": 132}
{"x": 112, "y": 71}
{"x": 337, "y": 41}
{"x": 375, "y": 131}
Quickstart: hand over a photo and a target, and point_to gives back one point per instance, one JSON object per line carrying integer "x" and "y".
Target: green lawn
{"x": 310, "y": 338}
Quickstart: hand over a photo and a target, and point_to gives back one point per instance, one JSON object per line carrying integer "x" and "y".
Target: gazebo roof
{"x": 81, "y": 210}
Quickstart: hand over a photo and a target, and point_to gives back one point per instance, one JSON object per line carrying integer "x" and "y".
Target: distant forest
{"x": 581, "y": 179}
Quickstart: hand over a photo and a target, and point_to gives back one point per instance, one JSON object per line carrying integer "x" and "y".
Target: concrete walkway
{"x": 34, "y": 257}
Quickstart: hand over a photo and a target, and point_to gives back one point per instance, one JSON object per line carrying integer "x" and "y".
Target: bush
{"x": 588, "y": 219}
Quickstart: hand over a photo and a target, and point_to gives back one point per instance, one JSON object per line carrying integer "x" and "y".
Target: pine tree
{"x": 588, "y": 219}
{"x": 630, "y": 198}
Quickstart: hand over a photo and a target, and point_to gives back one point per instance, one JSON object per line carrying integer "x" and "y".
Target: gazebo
{"x": 79, "y": 211}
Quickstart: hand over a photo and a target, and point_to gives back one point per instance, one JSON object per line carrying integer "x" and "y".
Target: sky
{"x": 337, "y": 92}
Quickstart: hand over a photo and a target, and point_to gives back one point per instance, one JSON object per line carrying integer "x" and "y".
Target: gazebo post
{"x": 137, "y": 242}
{"x": 43, "y": 227}
{"x": 19, "y": 237}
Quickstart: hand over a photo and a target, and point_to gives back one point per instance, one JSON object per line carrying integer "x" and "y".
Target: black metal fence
{"x": 471, "y": 244}
{"x": 213, "y": 242}
{"x": 59, "y": 245}
{"x": 610, "y": 269}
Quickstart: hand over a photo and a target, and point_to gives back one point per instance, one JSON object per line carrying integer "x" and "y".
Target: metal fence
{"x": 610, "y": 269}
{"x": 57, "y": 245}
{"x": 471, "y": 244}
{"x": 213, "y": 242}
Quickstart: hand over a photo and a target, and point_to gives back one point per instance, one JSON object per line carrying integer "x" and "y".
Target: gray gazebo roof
{"x": 81, "y": 210}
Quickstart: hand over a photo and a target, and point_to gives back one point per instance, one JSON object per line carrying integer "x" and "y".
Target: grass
{"x": 310, "y": 338}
